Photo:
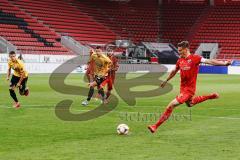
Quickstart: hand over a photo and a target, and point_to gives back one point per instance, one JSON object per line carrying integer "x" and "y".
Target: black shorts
{"x": 99, "y": 80}
{"x": 14, "y": 81}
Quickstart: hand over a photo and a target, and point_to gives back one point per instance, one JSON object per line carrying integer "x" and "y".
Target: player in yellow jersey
{"x": 19, "y": 78}
{"x": 101, "y": 65}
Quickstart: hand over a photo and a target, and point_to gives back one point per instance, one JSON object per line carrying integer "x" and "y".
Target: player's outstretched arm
{"x": 170, "y": 76}
{"x": 217, "y": 62}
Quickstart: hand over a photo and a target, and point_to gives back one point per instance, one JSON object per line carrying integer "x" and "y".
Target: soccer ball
{"x": 122, "y": 129}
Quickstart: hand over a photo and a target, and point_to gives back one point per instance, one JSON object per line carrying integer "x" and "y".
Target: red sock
{"x": 164, "y": 116}
{"x": 200, "y": 99}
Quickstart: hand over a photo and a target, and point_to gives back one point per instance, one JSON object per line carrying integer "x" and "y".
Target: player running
{"x": 19, "y": 78}
{"x": 90, "y": 73}
{"x": 188, "y": 64}
{"x": 101, "y": 66}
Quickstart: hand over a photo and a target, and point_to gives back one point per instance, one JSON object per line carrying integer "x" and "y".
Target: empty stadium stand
{"x": 222, "y": 26}
{"x": 137, "y": 20}
{"x": 27, "y": 33}
{"x": 68, "y": 20}
{"x": 36, "y": 26}
{"x": 178, "y": 21}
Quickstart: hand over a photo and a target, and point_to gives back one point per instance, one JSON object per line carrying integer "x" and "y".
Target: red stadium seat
{"x": 221, "y": 26}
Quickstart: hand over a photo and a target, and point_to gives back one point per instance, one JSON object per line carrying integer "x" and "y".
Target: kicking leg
{"x": 180, "y": 99}
{"x": 200, "y": 99}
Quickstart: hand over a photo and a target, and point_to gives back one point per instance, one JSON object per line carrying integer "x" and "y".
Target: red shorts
{"x": 107, "y": 81}
{"x": 184, "y": 97}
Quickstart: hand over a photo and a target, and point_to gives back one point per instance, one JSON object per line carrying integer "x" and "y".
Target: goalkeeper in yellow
{"x": 19, "y": 78}
{"x": 101, "y": 65}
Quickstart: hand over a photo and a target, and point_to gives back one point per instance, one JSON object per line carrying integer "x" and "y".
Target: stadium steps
{"x": 222, "y": 26}
{"x": 68, "y": 20}
{"x": 178, "y": 21}
{"x": 26, "y": 33}
{"x": 136, "y": 20}
{"x": 204, "y": 15}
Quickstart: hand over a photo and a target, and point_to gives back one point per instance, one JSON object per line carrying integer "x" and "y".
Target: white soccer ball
{"x": 122, "y": 129}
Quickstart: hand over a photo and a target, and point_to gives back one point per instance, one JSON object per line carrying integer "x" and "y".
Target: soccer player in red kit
{"x": 111, "y": 74}
{"x": 188, "y": 64}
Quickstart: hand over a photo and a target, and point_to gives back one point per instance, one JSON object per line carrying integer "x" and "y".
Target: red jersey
{"x": 114, "y": 65}
{"x": 90, "y": 68}
{"x": 188, "y": 72}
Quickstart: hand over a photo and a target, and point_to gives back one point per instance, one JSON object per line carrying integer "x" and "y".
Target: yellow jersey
{"x": 18, "y": 68}
{"x": 101, "y": 64}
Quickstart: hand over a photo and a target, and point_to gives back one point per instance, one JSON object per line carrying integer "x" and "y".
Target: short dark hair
{"x": 183, "y": 44}
{"x": 98, "y": 47}
{"x": 12, "y": 52}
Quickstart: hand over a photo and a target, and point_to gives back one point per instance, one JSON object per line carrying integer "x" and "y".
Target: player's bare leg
{"x": 167, "y": 113}
{"x": 200, "y": 99}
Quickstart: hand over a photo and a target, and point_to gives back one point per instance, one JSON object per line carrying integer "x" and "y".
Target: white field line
{"x": 85, "y": 110}
{"x": 160, "y": 106}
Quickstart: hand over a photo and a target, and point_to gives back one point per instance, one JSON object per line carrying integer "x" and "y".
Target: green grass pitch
{"x": 209, "y": 131}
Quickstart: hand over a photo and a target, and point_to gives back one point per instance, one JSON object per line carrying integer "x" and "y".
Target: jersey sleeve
{"x": 203, "y": 60}
{"x": 177, "y": 65}
{"x": 21, "y": 66}
{"x": 197, "y": 59}
{"x": 9, "y": 65}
